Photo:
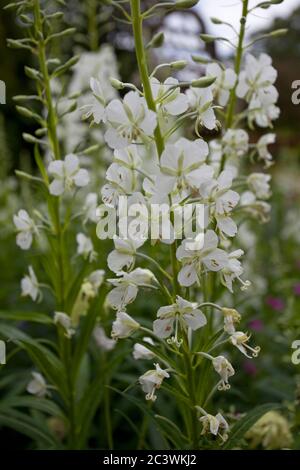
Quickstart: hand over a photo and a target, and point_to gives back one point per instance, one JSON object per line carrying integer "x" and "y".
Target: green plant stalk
{"x": 237, "y": 69}
{"x": 190, "y": 385}
{"x": 52, "y": 117}
{"x": 137, "y": 25}
{"x": 54, "y": 202}
{"x": 92, "y": 25}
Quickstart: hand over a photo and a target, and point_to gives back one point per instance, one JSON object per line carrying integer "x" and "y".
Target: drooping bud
{"x": 115, "y": 83}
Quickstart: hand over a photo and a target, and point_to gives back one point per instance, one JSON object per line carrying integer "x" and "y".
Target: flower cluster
{"x": 154, "y": 163}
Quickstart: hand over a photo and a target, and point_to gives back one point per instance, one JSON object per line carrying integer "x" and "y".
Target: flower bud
{"x": 200, "y": 60}
{"x": 203, "y": 82}
{"x": 279, "y": 32}
{"x": 207, "y": 37}
{"x": 115, "y": 83}
{"x": 186, "y": 3}
{"x": 178, "y": 64}
{"x": 156, "y": 41}
{"x": 216, "y": 20}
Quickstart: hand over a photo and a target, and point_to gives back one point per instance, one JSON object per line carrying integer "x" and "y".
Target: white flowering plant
{"x": 172, "y": 301}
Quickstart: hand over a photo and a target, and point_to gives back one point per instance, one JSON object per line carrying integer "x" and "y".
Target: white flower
{"x": 223, "y": 367}
{"x": 210, "y": 256}
{"x": 167, "y": 96}
{"x": 67, "y": 174}
{"x": 92, "y": 283}
{"x": 225, "y": 200}
{"x": 259, "y": 184}
{"x": 126, "y": 287}
{"x": 90, "y": 207}
{"x": 258, "y": 77}
{"x": 131, "y": 121}
{"x": 37, "y": 386}
{"x": 30, "y": 285}
{"x": 183, "y": 312}
{"x": 123, "y": 326}
{"x": 258, "y": 209}
{"x": 102, "y": 341}
{"x": 263, "y": 110}
{"x": 62, "y": 319}
{"x": 225, "y": 81}
{"x": 97, "y": 108}
{"x": 235, "y": 143}
{"x": 121, "y": 180}
{"x": 26, "y": 228}
{"x": 123, "y": 256}
{"x": 141, "y": 352}
{"x": 128, "y": 157}
{"x": 231, "y": 317}
{"x": 233, "y": 270}
{"x": 262, "y": 148}
{"x": 200, "y": 100}
{"x": 256, "y": 86}
{"x": 183, "y": 166}
{"x": 152, "y": 380}
{"x": 240, "y": 340}
{"x": 215, "y": 425}
{"x": 85, "y": 247}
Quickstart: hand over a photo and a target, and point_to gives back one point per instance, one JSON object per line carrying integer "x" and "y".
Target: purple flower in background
{"x": 256, "y": 324}
{"x": 250, "y": 368}
{"x": 276, "y": 303}
{"x": 297, "y": 289}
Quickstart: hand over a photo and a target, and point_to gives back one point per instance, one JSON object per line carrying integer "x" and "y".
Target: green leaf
{"x": 25, "y": 316}
{"x": 143, "y": 407}
{"x": 43, "y": 358}
{"x": 41, "y": 404}
{"x": 40, "y": 164}
{"x": 49, "y": 364}
{"x": 87, "y": 327}
{"x": 26, "y": 425}
{"x": 87, "y": 407}
{"x": 243, "y": 425}
{"x": 172, "y": 432}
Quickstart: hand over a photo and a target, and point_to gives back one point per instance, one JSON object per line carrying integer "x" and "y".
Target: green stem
{"x": 54, "y": 209}
{"x": 52, "y": 117}
{"x": 107, "y": 414}
{"x": 237, "y": 69}
{"x": 92, "y": 25}
{"x": 190, "y": 384}
{"x": 137, "y": 25}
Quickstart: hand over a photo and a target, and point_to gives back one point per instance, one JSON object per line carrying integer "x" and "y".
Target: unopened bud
{"x": 186, "y": 3}
{"x": 115, "y": 83}
{"x": 279, "y": 32}
{"x": 200, "y": 60}
{"x": 203, "y": 82}
{"x": 156, "y": 41}
{"x": 216, "y": 20}
{"x": 207, "y": 37}
{"x": 178, "y": 64}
